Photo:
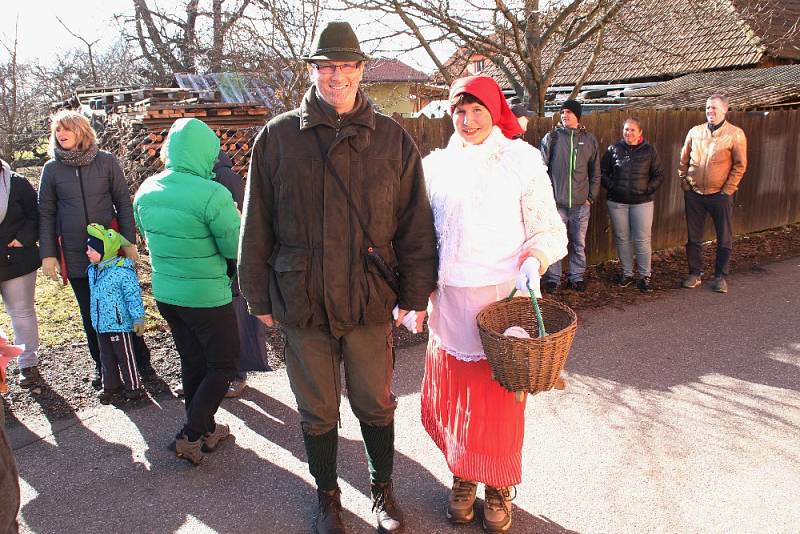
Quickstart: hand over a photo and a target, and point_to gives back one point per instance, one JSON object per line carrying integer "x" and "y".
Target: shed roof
{"x": 745, "y": 89}
{"x": 658, "y": 39}
{"x": 387, "y": 70}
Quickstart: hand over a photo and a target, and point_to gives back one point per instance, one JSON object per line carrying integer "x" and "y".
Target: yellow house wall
{"x": 392, "y": 97}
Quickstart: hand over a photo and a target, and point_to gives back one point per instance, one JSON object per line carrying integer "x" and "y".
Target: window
{"x": 477, "y": 66}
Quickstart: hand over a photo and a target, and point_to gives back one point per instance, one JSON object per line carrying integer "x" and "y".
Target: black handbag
{"x": 372, "y": 255}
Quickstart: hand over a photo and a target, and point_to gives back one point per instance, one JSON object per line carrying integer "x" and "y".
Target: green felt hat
{"x": 337, "y": 42}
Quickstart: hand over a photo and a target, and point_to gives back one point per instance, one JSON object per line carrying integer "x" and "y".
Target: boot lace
{"x": 383, "y": 498}
{"x": 463, "y": 490}
{"x": 329, "y": 503}
{"x": 499, "y": 498}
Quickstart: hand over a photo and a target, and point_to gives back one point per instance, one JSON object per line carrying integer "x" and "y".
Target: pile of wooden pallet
{"x": 139, "y": 150}
{"x": 156, "y": 115}
{"x": 139, "y": 120}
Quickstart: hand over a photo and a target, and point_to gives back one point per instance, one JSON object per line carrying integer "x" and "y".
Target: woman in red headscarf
{"x": 497, "y": 228}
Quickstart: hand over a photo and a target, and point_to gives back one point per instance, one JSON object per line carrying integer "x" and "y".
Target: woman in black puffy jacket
{"x": 19, "y": 260}
{"x": 82, "y": 184}
{"x": 631, "y": 174}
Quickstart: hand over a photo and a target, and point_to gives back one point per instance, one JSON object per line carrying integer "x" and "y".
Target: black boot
{"x": 329, "y": 518}
{"x": 390, "y": 517}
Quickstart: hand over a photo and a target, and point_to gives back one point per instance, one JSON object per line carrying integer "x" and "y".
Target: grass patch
{"x": 59, "y": 316}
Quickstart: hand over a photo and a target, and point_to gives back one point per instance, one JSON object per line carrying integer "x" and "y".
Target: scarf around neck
{"x": 76, "y": 158}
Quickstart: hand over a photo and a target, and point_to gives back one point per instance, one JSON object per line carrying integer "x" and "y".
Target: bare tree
{"x": 272, "y": 43}
{"x": 189, "y": 41}
{"x": 88, "y": 48}
{"x": 19, "y": 104}
{"x": 527, "y": 41}
{"x": 71, "y": 69}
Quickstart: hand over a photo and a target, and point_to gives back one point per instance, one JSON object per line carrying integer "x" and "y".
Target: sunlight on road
{"x": 790, "y": 355}
{"x": 194, "y": 526}
{"x": 125, "y": 432}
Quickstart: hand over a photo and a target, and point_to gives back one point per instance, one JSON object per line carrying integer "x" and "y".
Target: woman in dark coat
{"x": 82, "y": 185}
{"x": 19, "y": 260}
{"x": 252, "y": 332}
{"x": 632, "y": 173}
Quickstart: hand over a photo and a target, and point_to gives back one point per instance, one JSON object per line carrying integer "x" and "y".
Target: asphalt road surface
{"x": 681, "y": 415}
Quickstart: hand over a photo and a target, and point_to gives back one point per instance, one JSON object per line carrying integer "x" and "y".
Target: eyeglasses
{"x": 346, "y": 68}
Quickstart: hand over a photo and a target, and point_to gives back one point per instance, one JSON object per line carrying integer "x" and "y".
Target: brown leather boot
{"x": 461, "y": 505}
{"x": 389, "y": 515}
{"x": 329, "y": 517}
{"x": 191, "y": 451}
{"x": 497, "y": 509}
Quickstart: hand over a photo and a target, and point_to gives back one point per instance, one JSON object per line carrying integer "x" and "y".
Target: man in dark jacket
{"x": 307, "y": 227}
{"x": 573, "y": 163}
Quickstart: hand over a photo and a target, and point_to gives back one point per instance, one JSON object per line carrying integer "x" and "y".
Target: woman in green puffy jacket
{"x": 191, "y": 227}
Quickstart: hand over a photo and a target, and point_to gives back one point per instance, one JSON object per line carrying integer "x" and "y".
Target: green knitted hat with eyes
{"x": 337, "y": 42}
{"x": 110, "y": 238}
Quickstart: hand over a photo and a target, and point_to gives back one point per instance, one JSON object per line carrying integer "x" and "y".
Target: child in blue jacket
{"x": 117, "y": 311}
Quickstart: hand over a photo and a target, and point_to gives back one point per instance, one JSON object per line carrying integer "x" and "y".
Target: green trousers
{"x": 314, "y": 359}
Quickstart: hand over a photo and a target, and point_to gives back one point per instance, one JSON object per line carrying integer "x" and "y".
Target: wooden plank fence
{"x": 768, "y": 196}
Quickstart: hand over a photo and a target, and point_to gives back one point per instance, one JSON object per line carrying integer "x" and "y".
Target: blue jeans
{"x": 631, "y": 224}
{"x": 577, "y": 221}
{"x": 18, "y": 298}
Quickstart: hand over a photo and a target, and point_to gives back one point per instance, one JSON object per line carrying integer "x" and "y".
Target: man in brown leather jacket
{"x": 713, "y": 161}
{"x": 302, "y": 260}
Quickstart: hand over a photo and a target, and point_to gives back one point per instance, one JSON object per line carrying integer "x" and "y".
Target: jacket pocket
{"x": 380, "y": 297}
{"x": 289, "y": 285}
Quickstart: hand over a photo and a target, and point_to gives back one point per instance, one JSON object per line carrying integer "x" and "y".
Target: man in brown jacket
{"x": 713, "y": 160}
{"x": 302, "y": 260}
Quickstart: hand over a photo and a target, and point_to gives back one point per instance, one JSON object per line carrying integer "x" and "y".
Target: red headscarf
{"x": 489, "y": 93}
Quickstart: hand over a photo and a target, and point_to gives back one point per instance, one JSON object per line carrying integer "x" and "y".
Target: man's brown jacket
{"x": 302, "y": 251}
{"x": 713, "y": 161}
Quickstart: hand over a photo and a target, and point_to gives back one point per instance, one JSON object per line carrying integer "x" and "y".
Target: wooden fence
{"x": 768, "y": 196}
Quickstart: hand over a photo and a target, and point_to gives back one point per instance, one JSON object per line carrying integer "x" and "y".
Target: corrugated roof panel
{"x": 234, "y": 87}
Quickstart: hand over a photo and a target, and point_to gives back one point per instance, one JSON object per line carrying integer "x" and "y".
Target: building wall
{"x": 394, "y": 97}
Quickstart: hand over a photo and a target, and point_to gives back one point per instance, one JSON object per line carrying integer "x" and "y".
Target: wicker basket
{"x": 520, "y": 364}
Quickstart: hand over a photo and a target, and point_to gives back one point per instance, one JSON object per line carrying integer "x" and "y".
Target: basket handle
{"x": 536, "y": 310}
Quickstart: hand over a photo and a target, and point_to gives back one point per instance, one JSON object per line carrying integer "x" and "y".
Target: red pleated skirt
{"x": 477, "y": 424}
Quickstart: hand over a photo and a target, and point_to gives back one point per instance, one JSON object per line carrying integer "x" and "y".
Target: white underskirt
{"x": 452, "y": 317}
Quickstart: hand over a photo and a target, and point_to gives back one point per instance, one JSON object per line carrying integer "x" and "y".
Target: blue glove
{"x": 528, "y": 277}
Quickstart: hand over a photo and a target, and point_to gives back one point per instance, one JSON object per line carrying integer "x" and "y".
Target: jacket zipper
{"x": 334, "y": 359}
{"x": 349, "y": 225}
{"x": 571, "y": 168}
{"x": 629, "y": 156}
{"x": 79, "y": 174}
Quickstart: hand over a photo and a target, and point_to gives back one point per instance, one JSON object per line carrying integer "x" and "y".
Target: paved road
{"x": 681, "y": 415}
